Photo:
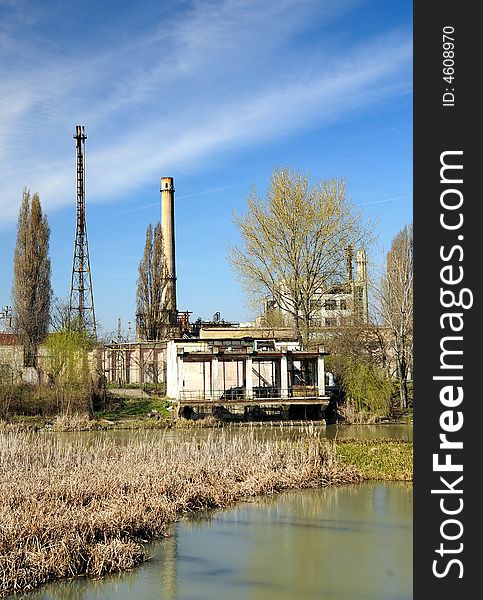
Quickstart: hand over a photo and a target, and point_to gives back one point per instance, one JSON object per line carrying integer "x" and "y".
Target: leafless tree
{"x": 32, "y": 290}
{"x": 59, "y": 314}
{"x": 396, "y": 296}
{"x": 151, "y": 316}
{"x": 294, "y": 243}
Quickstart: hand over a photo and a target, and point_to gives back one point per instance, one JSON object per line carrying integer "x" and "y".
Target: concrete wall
{"x": 11, "y": 362}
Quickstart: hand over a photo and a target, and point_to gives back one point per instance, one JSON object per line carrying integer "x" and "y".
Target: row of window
{"x": 333, "y": 304}
{"x": 327, "y": 304}
{"x": 326, "y": 322}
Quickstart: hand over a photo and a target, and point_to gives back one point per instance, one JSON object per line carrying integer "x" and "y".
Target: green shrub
{"x": 366, "y": 387}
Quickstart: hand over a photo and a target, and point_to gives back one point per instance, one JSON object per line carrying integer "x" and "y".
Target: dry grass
{"x": 209, "y": 421}
{"x": 6, "y": 426}
{"x": 73, "y": 422}
{"x": 351, "y": 415}
{"x": 85, "y": 507}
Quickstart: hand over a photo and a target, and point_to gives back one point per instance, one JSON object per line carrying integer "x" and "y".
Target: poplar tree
{"x": 397, "y": 306}
{"x": 32, "y": 290}
{"x": 151, "y": 318}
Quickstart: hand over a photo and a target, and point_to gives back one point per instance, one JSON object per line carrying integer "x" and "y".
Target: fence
{"x": 259, "y": 393}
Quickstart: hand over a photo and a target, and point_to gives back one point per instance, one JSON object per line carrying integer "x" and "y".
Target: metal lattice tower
{"x": 81, "y": 303}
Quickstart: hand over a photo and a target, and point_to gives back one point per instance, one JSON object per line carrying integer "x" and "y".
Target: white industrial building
{"x": 334, "y": 306}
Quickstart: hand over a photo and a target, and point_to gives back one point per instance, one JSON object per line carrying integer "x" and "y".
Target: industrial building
{"x": 203, "y": 366}
{"x": 347, "y": 300}
{"x": 205, "y": 374}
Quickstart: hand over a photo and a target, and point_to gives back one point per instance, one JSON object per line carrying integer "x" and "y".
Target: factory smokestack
{"x": 360, "y": 287}
{"x": 349, "y": 253}
{"x": 167, "y": 224}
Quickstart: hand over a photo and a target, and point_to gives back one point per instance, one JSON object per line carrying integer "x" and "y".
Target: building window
{"x": 270, "y": 305}
{"x": 330, "y": 304}
{"x": 330, "y": 322}
{"x": 343, "y": 304}
{"x": 316, "y": 304}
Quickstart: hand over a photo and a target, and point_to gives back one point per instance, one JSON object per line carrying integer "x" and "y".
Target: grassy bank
{"x": 120, "y": 412}
{"x": 125, "y": 412}
{"x": 85, "y": 507}
{"x": 378, "y": 459}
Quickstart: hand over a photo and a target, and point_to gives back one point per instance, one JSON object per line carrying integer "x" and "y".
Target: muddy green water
{"x": 338, "y": 543}
{"x": 351, "y": 542}
{"x": 264, "y": 431}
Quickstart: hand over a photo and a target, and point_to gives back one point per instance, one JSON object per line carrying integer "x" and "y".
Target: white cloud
{"x": 218, "y": 76}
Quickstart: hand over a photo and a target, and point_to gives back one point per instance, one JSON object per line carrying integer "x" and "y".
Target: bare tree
{"x": 59, "y": 314}
{"x": 151, "y": 316}
{"x": 294, "y": 241}
{"x": 397, "y": 305}
{"x": 32, "y": 290}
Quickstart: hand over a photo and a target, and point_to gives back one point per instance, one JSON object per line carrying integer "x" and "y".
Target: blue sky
{"x": 213, "y": 93}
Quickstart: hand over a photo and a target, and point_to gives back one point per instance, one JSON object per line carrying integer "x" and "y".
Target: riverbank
{"x": 87, "y": 506}
{"x": 154, "y": 413}
{"x": 121, "y": 411}
{"x": 133, "y": 408}
{"x": 379, "y": 459}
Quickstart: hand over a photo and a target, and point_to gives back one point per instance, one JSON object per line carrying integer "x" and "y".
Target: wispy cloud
{"x": 110, "y": 214}
{"x": 216, "y": 77}
{"x": 382, "y": 201}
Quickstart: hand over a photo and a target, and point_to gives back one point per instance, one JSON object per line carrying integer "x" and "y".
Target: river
{"x": 338, "y": 543}
{"x": 273, "y": 430}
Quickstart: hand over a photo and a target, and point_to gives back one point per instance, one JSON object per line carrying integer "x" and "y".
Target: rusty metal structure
{"x": 81, "y": 301}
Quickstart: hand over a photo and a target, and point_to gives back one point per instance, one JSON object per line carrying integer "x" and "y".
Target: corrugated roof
{"x": 9, "y": 339}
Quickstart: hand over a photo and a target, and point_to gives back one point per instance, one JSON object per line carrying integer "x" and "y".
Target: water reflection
{"x": 264, "y": 431}
{"x": 341, "y": 543}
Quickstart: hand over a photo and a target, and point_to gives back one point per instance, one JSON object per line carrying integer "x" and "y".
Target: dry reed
{"x": 73, "y": 422}
{"x": 72, "y": 506}
{"x": 351, "y": 415}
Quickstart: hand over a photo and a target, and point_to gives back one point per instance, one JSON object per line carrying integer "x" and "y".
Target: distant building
{"x": 6, "y": 319}
{"x": 342, "y": 301}
{"x": 221, "y": 357}
{"x": 12, "y": 368}
{"x": 219, "y": 369}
